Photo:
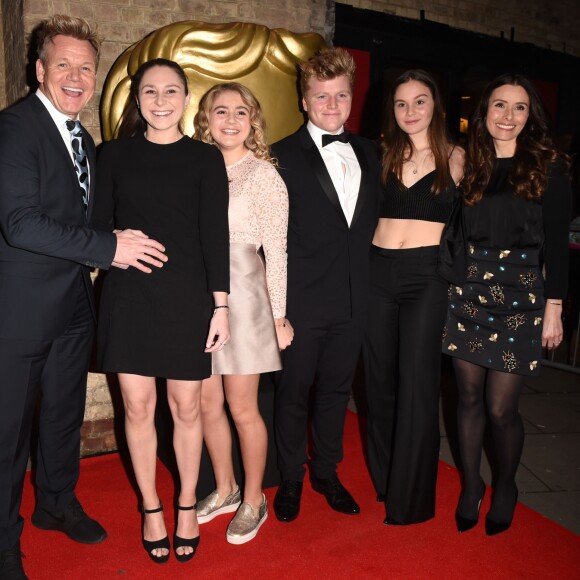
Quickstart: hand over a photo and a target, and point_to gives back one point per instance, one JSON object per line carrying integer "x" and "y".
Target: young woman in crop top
{"x": 402, "y": 349}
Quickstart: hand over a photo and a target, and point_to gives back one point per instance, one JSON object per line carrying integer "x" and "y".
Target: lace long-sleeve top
{"x": 258, "y": 214}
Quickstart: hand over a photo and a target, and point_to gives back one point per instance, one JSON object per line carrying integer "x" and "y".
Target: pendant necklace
{"x": 416, "y": 167}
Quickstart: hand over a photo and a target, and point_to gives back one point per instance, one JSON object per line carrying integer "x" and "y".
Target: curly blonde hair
{"x": 256, "y": 140}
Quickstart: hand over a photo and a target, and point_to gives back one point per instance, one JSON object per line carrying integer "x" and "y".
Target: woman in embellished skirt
{"x": 230, "y": 117}
{"x": 515, "y": 217}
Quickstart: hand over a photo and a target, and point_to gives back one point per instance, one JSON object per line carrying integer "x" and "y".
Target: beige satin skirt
{"x": 253, "y": 346}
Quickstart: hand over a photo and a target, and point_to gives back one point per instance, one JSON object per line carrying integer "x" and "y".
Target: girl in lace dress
{"x": 231, "y": 118}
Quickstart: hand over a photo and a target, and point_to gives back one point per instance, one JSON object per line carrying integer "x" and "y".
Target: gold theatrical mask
{"x": 262, "y": 59}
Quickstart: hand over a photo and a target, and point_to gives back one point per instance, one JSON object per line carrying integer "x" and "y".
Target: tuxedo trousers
{"x": 317, "y": 374}
{"x": 57, "y": 369}
{"x": 402, "y": 362}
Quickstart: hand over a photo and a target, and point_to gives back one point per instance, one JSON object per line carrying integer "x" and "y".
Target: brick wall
{"x": 547, "y": 24}
{"x": 98, "y": 432}
{"x": 12, "y": 51}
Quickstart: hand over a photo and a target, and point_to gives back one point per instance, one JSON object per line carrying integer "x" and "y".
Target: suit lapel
{"x": 60, "y": 149}
{"x": 362, "y": 161}
{"x": 318, "y": 167}
{"x": 92, "y": 157}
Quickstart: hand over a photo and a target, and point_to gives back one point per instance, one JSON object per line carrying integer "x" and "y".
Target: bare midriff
{"x": 396, "y": 234}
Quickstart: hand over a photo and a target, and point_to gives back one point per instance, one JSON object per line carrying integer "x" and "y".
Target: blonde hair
{"x": 256, "y": 141}
{"x": 63, "y": 25}
{"x": 326, "y": 65}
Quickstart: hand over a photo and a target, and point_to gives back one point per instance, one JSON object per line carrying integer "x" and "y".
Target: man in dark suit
{"x": 333, "y": 182}
{"x": 47, "y": 314}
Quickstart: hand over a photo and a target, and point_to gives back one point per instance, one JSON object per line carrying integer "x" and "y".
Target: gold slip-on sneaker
{"x": 213, "y": 505}
{"x": 246, "y": 523}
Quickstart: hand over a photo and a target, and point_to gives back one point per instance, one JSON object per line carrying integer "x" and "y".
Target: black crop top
{"x": 416, "y": 202}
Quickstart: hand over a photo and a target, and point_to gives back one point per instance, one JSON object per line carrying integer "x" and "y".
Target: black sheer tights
{"x": 479, "y": 388}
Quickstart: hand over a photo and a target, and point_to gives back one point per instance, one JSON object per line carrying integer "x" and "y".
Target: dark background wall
{"x": 462, "y": 62}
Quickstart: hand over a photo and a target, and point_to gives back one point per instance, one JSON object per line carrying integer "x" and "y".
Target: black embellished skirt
{"x": 495, "y": 319}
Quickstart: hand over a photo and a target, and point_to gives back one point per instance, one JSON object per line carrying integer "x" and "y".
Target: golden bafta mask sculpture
{"x": 262, "y": 59}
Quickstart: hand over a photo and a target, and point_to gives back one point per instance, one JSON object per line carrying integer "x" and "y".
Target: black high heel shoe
{"x": 492, "y": 527}
{"x": 163, "y": 543}
{"x": 185, "y": 542}
{"x": 465, "y": 524}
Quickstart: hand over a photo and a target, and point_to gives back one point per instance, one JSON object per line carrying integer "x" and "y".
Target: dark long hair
{"x": 535, "y": 149}
{"x": 397, "y": 145}
{"x": 132, "y": 122}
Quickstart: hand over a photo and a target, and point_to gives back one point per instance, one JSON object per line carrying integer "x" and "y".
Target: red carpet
{"x": 320, "y": 544}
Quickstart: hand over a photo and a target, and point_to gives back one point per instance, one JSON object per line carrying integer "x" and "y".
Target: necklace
{"x": 418, "y": 166}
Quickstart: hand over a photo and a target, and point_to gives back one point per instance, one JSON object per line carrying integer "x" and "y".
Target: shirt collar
{"x": 316, "y": 133}
{"x": 59, "y": 118}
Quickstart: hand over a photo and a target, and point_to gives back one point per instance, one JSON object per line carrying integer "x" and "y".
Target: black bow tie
{"x": 343, "y": 137}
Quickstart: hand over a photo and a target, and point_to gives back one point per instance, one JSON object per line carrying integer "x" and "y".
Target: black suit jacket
{"x": 328, "y": 264}
{"x": 45, "y": 239}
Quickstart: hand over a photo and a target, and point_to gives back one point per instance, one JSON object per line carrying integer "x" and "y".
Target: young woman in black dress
{"x": 516, "y": 217}
{"x": 161, "y": 325}
{"x": 401, "y": 351}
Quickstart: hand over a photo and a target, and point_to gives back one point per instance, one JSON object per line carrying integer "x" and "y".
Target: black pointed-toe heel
{"x": 163, "y": 543}
{"x": 465, "y": 524}
{"x": 492, "y": 528}
{"x": 185, "y": 542}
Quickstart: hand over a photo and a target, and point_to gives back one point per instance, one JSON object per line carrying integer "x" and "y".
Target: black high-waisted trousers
{"x": 402, "y": 359}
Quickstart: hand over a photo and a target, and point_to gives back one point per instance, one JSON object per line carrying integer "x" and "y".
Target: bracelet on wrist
{"x": 216, "y": 308}
{"x": 555, "y": 303}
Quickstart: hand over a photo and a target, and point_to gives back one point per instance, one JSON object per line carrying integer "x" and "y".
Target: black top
{"x": 175, "y": 193}
{"x": 502, "y": 220}
{"x": 416, "y": 202}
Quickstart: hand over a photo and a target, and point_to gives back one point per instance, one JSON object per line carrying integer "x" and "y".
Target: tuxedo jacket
{"x": 328, "y": 263}
{"x": 46, "y": 243}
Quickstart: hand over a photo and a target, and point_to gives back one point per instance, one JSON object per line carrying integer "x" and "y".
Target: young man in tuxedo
{"x": 332, "y": 178}
{"x": 47, "y": 247}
